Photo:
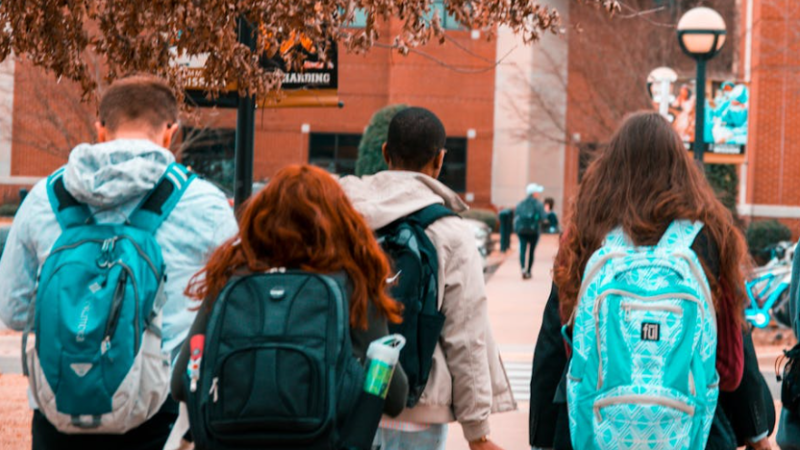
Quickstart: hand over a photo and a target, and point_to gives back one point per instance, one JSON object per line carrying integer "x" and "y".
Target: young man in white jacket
{"x": 467, "y": 381}
{"x": 138, "y": 119}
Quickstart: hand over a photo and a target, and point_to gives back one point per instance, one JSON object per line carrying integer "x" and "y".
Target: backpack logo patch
{"x": 651, "y": 331}
{"x": 81, "y": 369}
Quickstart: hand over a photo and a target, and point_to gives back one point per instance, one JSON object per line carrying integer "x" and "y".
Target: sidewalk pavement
{"x": 516, "y": 307}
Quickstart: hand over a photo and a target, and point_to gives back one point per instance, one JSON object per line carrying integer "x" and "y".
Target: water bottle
{"x": 382, "y": 357}
{"x": 362, "y": 424}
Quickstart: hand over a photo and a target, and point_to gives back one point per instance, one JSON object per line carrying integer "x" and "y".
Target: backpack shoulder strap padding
{"x": 617, "y": 238}
{"x": 157, "y": 205}
{"x": 69, "y": 211}
{"x": 425, "y": 217}
{"x": 680, "y": 235}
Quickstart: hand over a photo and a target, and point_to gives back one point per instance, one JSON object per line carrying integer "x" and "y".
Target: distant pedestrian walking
{"x": 550, "y": 223}
{"x": 527, "y": 223}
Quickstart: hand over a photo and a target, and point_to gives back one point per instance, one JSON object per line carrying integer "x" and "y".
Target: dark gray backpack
{"x": 416, "y": 264}
{"x": 277, "y": 370}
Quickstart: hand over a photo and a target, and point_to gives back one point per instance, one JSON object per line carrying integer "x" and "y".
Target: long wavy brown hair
{"x": 304, "y": 220}
{"x": 644, "y": 180}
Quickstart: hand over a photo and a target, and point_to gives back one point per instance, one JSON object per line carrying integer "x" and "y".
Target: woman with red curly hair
{"x": 303, "y": 220}
{"x": 642, "y": 182}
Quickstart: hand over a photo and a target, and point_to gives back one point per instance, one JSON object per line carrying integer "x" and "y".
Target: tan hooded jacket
{"x": 467, "y": 381}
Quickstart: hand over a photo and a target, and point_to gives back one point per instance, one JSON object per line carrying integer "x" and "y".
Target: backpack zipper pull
{"x": 105, "y": 346}
{"x": 627, "y": 313}
{"x": 214, "y": 391}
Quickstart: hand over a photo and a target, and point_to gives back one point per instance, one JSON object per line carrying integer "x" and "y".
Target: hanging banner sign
{"x": 315, "y": 84}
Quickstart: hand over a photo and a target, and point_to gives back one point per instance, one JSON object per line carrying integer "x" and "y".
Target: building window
{"x": 454, "y": 172}
{"x": 209, "y": 153}
{"x": 336, "y": 153}
{"x": 359, "y": 19}
{"x": 449, "y": 21}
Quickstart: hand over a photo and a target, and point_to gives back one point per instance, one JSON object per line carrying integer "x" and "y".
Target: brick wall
{"x": 774, "y": 136}
{"x": 457, "y": 84}
{"x": 49, "y": 119}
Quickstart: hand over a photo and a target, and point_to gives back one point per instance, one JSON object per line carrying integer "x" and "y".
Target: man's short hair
{"x": 141, "y": 100}
{"x": 416, "y": 136}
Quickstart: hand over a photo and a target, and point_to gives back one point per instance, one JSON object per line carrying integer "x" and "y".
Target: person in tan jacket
{"x": 467, "y": 381}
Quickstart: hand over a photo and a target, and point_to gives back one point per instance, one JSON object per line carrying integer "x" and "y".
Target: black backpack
{"x": 527, "y": 217}
{"x": 416, "y": 266}
{"x": 277, "y": 369}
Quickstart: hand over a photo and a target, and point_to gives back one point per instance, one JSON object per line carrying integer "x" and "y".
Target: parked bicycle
{"x": 768, "y": 288}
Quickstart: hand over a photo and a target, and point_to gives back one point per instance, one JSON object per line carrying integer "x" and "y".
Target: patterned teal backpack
{"x": 96, "y": 363}
{"x": 642, "y": 374}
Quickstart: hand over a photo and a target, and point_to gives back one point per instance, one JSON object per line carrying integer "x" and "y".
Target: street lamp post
{"x": 701, "y": 34}
{"x": 660, "y": 84}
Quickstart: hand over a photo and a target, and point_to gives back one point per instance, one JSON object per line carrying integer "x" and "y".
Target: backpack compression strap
{"x": 155, "y": 208}
{"x": 425, "y": 217}
{"x": 69, "y": 211}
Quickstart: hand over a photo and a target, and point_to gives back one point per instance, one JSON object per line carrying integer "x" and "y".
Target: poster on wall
{"x": 726, "y": 114}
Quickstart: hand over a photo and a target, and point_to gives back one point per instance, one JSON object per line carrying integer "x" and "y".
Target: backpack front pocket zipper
{"x": 633, "y": 399}
{"x": 628, "y": 307}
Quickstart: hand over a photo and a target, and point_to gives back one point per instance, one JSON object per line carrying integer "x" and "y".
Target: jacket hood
{"x": 389, "y": 195}
{"x": 114, "y": 172}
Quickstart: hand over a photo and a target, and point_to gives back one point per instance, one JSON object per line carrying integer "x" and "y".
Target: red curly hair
{"x": 304, "y": 220}
{"x": 644, "y": 180}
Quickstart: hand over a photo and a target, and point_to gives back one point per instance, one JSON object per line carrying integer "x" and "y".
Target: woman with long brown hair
{"x": 641, "y": 183}
{"x": 301, "y": 221}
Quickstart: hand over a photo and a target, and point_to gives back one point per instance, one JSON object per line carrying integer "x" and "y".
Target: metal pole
{"x": 700, "y": 112}
{"x": 245, "y": 131}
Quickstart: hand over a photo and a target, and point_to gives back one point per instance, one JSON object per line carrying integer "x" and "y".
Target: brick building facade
{"x": 455, "y": 80}
{"x": 773, "y": 168}
{"x": 536, "y": 116}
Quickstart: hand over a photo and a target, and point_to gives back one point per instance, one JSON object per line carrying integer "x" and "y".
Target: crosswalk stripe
{"x": 519, "y": 376}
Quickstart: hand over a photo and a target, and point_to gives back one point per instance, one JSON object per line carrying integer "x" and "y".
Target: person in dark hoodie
{"x": 655, "y": 183}
{"x": 138, "y": 117}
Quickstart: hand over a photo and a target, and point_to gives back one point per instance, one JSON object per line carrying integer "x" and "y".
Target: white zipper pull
{"x": 193, "y": 385}
{"x": 627, "y": 313}
{"x": 214, "y": 392}
{"x": 105, "y": 346}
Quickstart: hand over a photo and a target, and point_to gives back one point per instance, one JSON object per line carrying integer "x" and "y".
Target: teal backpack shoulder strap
{"x": 157, "y": 205}
{"x": 430, "y": 214}
{"x": 680, "y": 235}
{"x": 69, "y": 211}
{"x": 618, "y": 239}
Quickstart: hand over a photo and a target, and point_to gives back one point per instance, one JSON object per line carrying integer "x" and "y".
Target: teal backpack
{"x": 642, "y": 373}
{"x": 96, "y": 364}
